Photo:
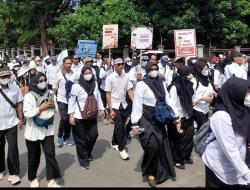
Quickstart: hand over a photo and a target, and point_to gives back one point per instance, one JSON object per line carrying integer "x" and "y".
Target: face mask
{"x": 129, "y": 63}
{"x": 153, "y": 74}
{"x": 4, "y": 81}
{"x": 144, "y": 63}
{"x": 204, "y": 72}
{"x": 247, "y": 100}
{"x": 88, "y": 77}
{"x": 42, "y": 85}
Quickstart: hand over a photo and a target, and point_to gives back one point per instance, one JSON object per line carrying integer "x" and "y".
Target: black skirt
{"x": 157, "y": 159}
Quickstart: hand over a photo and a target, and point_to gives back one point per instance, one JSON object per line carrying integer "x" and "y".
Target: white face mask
{"x": 247, "y": 100}
{"x": 88, "y": 77}
{"x": 4, "y": 81}
{"x": 204, "y": 72}
{"x": 42, "y": 85}
{"x": 153, "y": 74}
{"x": 129, "y": 63}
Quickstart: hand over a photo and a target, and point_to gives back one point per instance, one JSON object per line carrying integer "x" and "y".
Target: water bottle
{"x": 140, "y": 131}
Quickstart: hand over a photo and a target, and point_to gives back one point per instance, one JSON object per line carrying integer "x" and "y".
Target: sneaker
{"x": 34, "y": 183}
{"x": 115, "y": 147}
{"x": 180, "y": 166}
{"x": 69, "y": 142}
{"x": 105, "y": 122}
{"x": 14, "y": 179}
{"x": 52, "y": 183}
{"x": 59, "y": 142}
{"x": 124, "y": 155}
{"x": 152, "y": 183}
{"x": 90, "y": 158}
{"x": 85, "y": 165}
{"x": 2, "y": 175}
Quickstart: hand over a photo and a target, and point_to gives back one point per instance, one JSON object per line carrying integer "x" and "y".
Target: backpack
{"x": 164, "y": 113}
{"x": 46, "y": 117}
{"x": 200, "y": 139}
{"x": 90, "y": 110}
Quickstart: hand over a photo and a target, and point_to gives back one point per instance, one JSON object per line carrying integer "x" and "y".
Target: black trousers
{"x": 64, "y": 126}
{"x": 85, "y": 134}
{"x": 200, "y": 118}
{"x": 213, "y": 181}
{"x": 119, "y": 134}
{"x": 34, "y": 153}
{"x": 104, "y": 100}
{"x": 13, "y": 155}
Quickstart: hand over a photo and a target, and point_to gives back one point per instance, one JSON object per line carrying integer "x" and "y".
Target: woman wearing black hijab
{"x": 36, "y": 135}
{"x": 203, "y": 92}
{"x": 181, "y": 134}
{"x": 157, "y": 164}
{"x": 226, "y": 157}
{"x": 84, "y": 132}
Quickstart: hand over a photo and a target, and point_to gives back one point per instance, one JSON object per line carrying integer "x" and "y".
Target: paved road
{"x": 107, "y": 168}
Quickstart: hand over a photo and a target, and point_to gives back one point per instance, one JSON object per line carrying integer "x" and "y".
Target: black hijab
{"x": 198, "y": 67}
{"x": 231, "y": 99}
{"x": 34, "y": 80}
{"x": 127, "y": 68}
{"x": 220, "y": 66}
{"x": 88, "y": 86}
{"x": 184, "y": 88}
{"x": 155, "y": 84}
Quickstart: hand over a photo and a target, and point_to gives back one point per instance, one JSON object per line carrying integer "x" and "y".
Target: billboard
{"x": 141, "y": 38}
{"x": 110, "y": 36}
{"x": 86, "y": 48}
{"x": 185, "y": 43}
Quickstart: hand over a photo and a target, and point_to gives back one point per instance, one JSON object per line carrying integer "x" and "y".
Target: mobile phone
{"x": 51, "y": 96}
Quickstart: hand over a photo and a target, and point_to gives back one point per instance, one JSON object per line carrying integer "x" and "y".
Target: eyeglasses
{"x": 75, "y": 58}
{"x": 119, "y": 64}
{"x": 154, "y": 69}
{"x": 40, "y": 81}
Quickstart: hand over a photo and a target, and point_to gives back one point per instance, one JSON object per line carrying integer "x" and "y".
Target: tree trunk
{"x": 42, "y": 30}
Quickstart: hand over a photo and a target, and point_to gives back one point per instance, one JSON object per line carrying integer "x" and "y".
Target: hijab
{"x": 220, "y": 66}
{"x": 184, "y": 88}
{"x": 198, "y": 67}
{"x": 155, "y": 84}
{"x": 34, "y": 80}
{"x": 231, "y": 99}
{"x": 88, "y": 86}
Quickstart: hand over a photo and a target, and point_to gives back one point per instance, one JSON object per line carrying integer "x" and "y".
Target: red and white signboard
{"x": 185, "y": 43}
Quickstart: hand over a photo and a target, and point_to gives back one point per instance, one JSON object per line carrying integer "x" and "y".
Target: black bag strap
{"x": 65, "y": 77}
{"x": 7, "y": 99}
{"x": 78, "y": 104}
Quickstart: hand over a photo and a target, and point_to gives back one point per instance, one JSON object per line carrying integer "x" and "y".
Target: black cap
{"x": 235, "y": 54}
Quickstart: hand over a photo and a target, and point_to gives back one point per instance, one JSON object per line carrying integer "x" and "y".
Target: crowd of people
{"x": 126, "y": 93}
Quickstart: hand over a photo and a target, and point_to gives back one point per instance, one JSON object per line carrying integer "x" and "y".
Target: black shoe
{"x": 180, "y": 166}
{"x": 173, "y": 178}
{"x": 152, "y": 183}
{"x": 85, "y": 165}
{"x": 90, "y": 158}
{"x": 189, "y": 161}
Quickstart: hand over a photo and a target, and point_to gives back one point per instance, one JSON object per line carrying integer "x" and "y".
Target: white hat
{"x": 32, "y": 65}
{"x": 118, "y": 61}
{"x": 22, "y": 71}
{"x": 37, "y": 58}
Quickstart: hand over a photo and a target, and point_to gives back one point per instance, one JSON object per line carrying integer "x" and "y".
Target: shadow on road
{"x": 101, "y": 146}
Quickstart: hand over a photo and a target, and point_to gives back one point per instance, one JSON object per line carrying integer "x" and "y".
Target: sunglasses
{"x": 119, "y": 64}
{"x": 40, "y": 81}
{"x": 154, "y": 69}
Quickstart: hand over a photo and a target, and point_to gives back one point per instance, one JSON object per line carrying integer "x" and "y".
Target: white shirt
{"x": 77, "y": 69}
{"x": 32, "y": 131}
{"x": 166, "y": 72}
{"x": 200, "y": 92}
{"x": 218, "y": 78}
{"x": 176, "y": 104}
{"x": 133, "y": 73}
{"x": 8, "y": 115}
{"x": 225, "y": 156}
{"x": 235, "y": 69}
{"x": 143, "y": 95}
{"x": 118, "y": 86}
{"x": 52, "y": 71}
{"x": 80, "y": 93}
{"x": 42, "y": 68}
{"x": 59, "y": 85}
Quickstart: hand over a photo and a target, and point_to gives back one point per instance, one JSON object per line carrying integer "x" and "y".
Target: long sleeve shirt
{"x": 226, "y": 154}
{"x": 80, "y": 93}
{"x": 236, "y": 70}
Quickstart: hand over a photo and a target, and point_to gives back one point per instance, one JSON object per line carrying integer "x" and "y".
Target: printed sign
{"x": 185, "y": 43}
{"x": 86, "y": 48}
{"x": 61, "y": 56}
{"x": 110, "y": 36}
{"x": 141, "y": 38}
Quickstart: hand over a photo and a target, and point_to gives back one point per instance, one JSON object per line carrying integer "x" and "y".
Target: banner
{"x": 141, "y": 38}
{"x": 185, "y": 43}
{"x": 86, "y": 48}
{"x": 110, "y": 36}
{"x": 61, "y": 56}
